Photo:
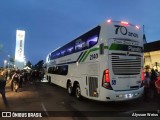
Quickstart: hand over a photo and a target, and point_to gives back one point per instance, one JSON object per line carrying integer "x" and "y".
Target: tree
{"x": 29, "y": 64}
{"x": 39, "y": 65}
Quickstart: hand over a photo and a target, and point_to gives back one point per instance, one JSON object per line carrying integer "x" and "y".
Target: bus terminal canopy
{"x": 27, "y": 68}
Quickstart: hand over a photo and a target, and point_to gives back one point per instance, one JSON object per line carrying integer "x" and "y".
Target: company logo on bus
{"x": 124, "y": 31}
{"x": 134, "y": 49}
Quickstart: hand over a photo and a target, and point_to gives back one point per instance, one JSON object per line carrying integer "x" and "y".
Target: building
{"x": 152, "y": 54}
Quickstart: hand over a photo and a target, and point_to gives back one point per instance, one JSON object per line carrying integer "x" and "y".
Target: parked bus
{"x": 103, "y": 64}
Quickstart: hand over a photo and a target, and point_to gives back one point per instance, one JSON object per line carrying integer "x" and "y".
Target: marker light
{"x": 109, "y": 20}
{"x": 123, "y": 22}
{"x": 137, "y": 26}
{"x": 143, "y": 77}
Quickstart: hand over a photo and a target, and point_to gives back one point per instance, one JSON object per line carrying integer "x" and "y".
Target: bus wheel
{"x": 69, "y": 89}
{"x": 78, "y": 92}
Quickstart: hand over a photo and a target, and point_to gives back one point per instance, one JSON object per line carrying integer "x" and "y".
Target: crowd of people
{"x": 18, "y": 79}
{"x": 149, "y": 84}
{"x": 151, "y": 87}
{"x": 21, "y": 77}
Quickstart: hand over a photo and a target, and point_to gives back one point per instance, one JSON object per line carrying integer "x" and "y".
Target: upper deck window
{"x": 83, "y": 42}
{"x": 70, "y": 50}
{"x": 92, "y": 41}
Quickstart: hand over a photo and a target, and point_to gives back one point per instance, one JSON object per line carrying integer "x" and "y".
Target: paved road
{"x": 54, "y": 101}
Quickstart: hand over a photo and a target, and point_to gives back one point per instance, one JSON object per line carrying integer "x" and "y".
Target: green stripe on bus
{"x": 115, "y": 47}
{"x": 105, "y": 47}
{"x": 82, "y": 56}
{"x": 91, "y": 50}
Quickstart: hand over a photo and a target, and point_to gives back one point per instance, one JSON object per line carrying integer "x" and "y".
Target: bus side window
{"x": 70, "y": 50}
{"x": 53, "y": 70}
{"x": 49, "y": 70}
{"x": 101, "y": 48}
{"x": 78, "y": 45}
{"x": 92, "y": 41}
{"x": 65, "y": 70}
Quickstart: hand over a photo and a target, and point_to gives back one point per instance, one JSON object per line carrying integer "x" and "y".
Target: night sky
{"x": 50, "y": 24}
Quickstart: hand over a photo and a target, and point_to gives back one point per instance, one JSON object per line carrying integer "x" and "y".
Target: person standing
{"x": 157, "y": 84}
{"x": 2, "y": 90}
{"x": 146, "y": 86}
{"x": 152, "y": 84}
{"x": 21, "y": 76}
{"x": 15, "y": 81}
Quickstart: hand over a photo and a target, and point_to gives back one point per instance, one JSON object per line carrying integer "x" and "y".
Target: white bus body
{"x": 104, "y": 64}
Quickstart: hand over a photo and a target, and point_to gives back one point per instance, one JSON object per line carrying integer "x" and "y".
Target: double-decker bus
{"x": 103, "y": 64}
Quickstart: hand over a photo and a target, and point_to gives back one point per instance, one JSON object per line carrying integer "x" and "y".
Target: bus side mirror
{"x": 101, "y": 49}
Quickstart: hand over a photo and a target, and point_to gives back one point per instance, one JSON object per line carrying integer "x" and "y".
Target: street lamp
{"x": 9, "y": 57}
{"x": 5, "y": 62}
{"x": 14, "y": 66}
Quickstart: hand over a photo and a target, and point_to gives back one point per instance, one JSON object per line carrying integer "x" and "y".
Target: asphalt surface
{"x": 55, "y": 103}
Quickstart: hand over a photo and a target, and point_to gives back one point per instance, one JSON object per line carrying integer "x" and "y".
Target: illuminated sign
{"x": 19, "y": 52}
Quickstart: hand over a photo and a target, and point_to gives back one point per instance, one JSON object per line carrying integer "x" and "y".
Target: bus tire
{"x": 69, "y": 89}
{"x": 78, "y": 92}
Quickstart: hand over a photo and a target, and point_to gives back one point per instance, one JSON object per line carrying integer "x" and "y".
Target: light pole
{"x": 5, "y": 62}
{"x": 9, "y": 57}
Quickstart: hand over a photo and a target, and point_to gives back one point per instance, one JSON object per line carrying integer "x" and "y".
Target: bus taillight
{"x": 106, "y": 80}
